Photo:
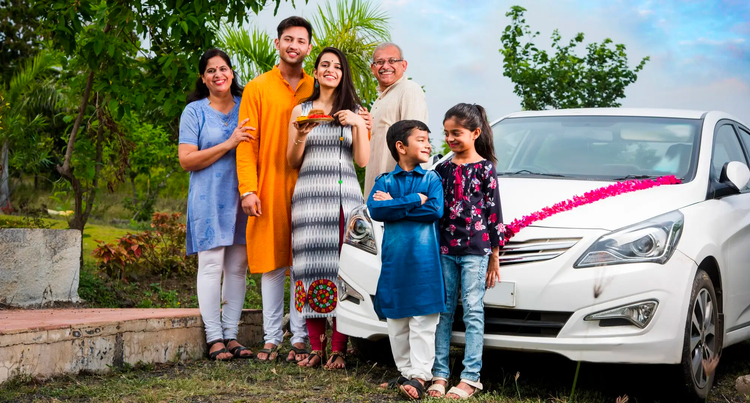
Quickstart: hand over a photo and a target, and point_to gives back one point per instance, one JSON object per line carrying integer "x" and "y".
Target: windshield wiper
{"x": 636, "y": 177}
{"x": 527, "y": 172}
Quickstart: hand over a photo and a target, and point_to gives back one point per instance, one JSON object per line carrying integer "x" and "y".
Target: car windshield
{"x": 596, "y": 147}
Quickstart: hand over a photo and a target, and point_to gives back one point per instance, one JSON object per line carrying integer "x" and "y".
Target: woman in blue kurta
{"x": 209, "y": 134}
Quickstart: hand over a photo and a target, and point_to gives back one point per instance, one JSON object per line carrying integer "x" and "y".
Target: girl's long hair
{"x": 471, "y": 117}
{"x": 345, "y": 95}
{"x": 201, "y": 90}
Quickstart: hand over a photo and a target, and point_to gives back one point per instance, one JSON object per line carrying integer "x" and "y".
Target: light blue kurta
{"x": 214, "y": 214}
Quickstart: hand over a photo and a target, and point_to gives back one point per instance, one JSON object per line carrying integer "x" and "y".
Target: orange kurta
{"x": 267, "y": 102}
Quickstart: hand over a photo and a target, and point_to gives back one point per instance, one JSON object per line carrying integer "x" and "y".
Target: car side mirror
{"x": 735, "y": 174}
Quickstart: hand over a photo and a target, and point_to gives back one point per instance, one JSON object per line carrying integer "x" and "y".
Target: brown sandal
{"x": 315, "y": 353}
{"x": 334, "y": 356}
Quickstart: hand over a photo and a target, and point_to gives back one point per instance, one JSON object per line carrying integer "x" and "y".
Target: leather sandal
{"x": 438, "y": 387}
{"x": 334, "y": 356}
{"x": 237, "y": 350}
{"x": 416, "y": 385}
{"x": 214, "y": 356}
{"x": 270, "y": 352}
{"x": 315, "y": 353}
{"x": 297, "y": 351}
{"x": 462, "y": 394}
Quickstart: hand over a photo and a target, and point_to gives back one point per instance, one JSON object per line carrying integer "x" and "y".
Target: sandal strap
{"x": 299, "y": 350}
{"x": 238, "y": 349}
{"x": 458, "y": 392}
{"x": 274, "y": 349}
{"x": 476, "y": 385}
{"x": 416, "y": 385}
{"x": 397, "y": 381}
{"x": 438, "y": 388}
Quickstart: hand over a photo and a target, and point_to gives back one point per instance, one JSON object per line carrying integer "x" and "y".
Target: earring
{"x": 316, "y": 85}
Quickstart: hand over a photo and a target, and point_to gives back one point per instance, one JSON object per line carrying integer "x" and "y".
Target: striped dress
{"x": 326, "y": 186}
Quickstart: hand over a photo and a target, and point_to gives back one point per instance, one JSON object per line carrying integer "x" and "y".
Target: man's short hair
{"x": 400, "y": 131}
{"x": 294, "y": 21}
{"x": 386, "y": 45}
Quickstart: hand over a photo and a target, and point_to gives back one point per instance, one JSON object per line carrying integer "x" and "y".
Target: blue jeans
{"x": 468, "y": 271}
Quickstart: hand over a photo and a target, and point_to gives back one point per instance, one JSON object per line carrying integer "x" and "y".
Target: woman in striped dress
{"x": 326, "y": 192}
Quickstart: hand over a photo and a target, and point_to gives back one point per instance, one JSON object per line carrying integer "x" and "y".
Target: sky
{"x": 699, "y": 50}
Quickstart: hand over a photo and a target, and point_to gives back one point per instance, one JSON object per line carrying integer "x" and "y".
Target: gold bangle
{"x": 298, "y": 142}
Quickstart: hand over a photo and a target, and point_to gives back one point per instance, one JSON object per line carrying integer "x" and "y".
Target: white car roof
{"x": 646, "y": 112}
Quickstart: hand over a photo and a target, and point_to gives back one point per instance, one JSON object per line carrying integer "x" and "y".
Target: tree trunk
{"x": 66, "y": 171}
{"x": 4, "y": 189}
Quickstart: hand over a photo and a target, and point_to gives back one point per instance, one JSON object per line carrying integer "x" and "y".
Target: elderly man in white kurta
{"x": 398, "y": 99}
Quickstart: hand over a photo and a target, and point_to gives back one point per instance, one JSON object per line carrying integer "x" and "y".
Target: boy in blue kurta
{"x": 410, "y": 293}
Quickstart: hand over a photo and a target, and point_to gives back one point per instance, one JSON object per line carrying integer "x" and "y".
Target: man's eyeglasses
{"x": 381, "y": 63}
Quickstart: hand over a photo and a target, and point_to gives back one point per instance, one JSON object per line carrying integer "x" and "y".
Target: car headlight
{"x": 653, "y": 240}
{"x": 359, "y": 232}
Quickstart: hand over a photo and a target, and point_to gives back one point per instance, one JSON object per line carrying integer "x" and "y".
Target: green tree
{"x": 19, "y": 35}
{"x": 562, "y": 79}
{"x": 26, "y": 93}
{"x": 355, "y": 27}
{"x": 252, "y": 48}
{"x": 113, "y": 73}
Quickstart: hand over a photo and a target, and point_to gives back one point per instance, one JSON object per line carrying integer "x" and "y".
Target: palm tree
{"x": 27, "y": 96}
{"x": 354, "y": 26}
{"x": 253, "y": 50}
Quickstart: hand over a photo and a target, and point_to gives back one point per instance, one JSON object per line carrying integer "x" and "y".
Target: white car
{"x": 654, "y": 276}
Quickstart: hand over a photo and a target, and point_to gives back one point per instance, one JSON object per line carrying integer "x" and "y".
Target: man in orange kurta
{"x": 266, "y": 182}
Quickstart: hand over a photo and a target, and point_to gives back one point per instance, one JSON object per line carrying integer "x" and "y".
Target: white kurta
{"x": 403, "y": 100}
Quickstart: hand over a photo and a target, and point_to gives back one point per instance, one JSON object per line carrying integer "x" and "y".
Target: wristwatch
{"x": 246, "y": 194}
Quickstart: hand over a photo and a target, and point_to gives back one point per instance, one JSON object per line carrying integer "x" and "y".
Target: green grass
{"x": 91, "y": 233}
{"x": 543, "y": 378}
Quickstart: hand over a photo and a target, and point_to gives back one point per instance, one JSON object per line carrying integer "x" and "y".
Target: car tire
{"x": 375, "y": 351}
{"x": 703, "y": 338}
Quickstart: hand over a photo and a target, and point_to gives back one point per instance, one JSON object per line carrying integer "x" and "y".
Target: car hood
{"x": 523, "y": 196}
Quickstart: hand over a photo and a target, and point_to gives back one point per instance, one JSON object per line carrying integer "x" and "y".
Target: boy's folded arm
{"x": 393, "y": 209}
{"x": 432, "y": 209}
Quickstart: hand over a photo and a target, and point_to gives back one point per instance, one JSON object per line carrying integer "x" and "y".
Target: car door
{"x": 733, "y": 215}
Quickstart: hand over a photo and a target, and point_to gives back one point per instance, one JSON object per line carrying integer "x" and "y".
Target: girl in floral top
{"x": 471, "y": 234}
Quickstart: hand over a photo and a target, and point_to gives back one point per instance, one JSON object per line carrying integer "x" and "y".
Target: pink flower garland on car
{"x": 614, "y": 189}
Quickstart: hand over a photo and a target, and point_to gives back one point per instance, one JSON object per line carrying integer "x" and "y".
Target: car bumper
{"x": 553, "y": 285}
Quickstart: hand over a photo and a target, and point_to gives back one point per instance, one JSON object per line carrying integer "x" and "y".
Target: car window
{"x": 745, "y": 135}
{"x": 727, "y": 148}
{"x": 596, "y": 147}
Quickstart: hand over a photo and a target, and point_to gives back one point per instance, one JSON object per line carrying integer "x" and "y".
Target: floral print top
{"x": 472, "y": 222}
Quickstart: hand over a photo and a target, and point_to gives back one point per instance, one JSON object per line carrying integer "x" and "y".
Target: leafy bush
{"x": 24, "y": 222}
{"x": 160, "y": 250}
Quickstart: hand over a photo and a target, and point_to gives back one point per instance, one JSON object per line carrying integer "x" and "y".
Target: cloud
{"x": 713, "y": 42}
{"x": 700, "y": 51}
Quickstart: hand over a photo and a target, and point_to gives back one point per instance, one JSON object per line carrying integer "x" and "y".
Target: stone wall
{"x": 39, "y": 266}
{"x": 97, "y": 340}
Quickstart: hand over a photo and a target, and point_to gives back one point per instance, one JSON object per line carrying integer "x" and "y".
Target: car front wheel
{"x": 702, "y": 345}
{"x": 373, "y": 350}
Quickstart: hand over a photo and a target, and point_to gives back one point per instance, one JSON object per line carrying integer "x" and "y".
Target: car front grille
{"x": 535, "y": 250}
{"x": 516, "y": 322}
